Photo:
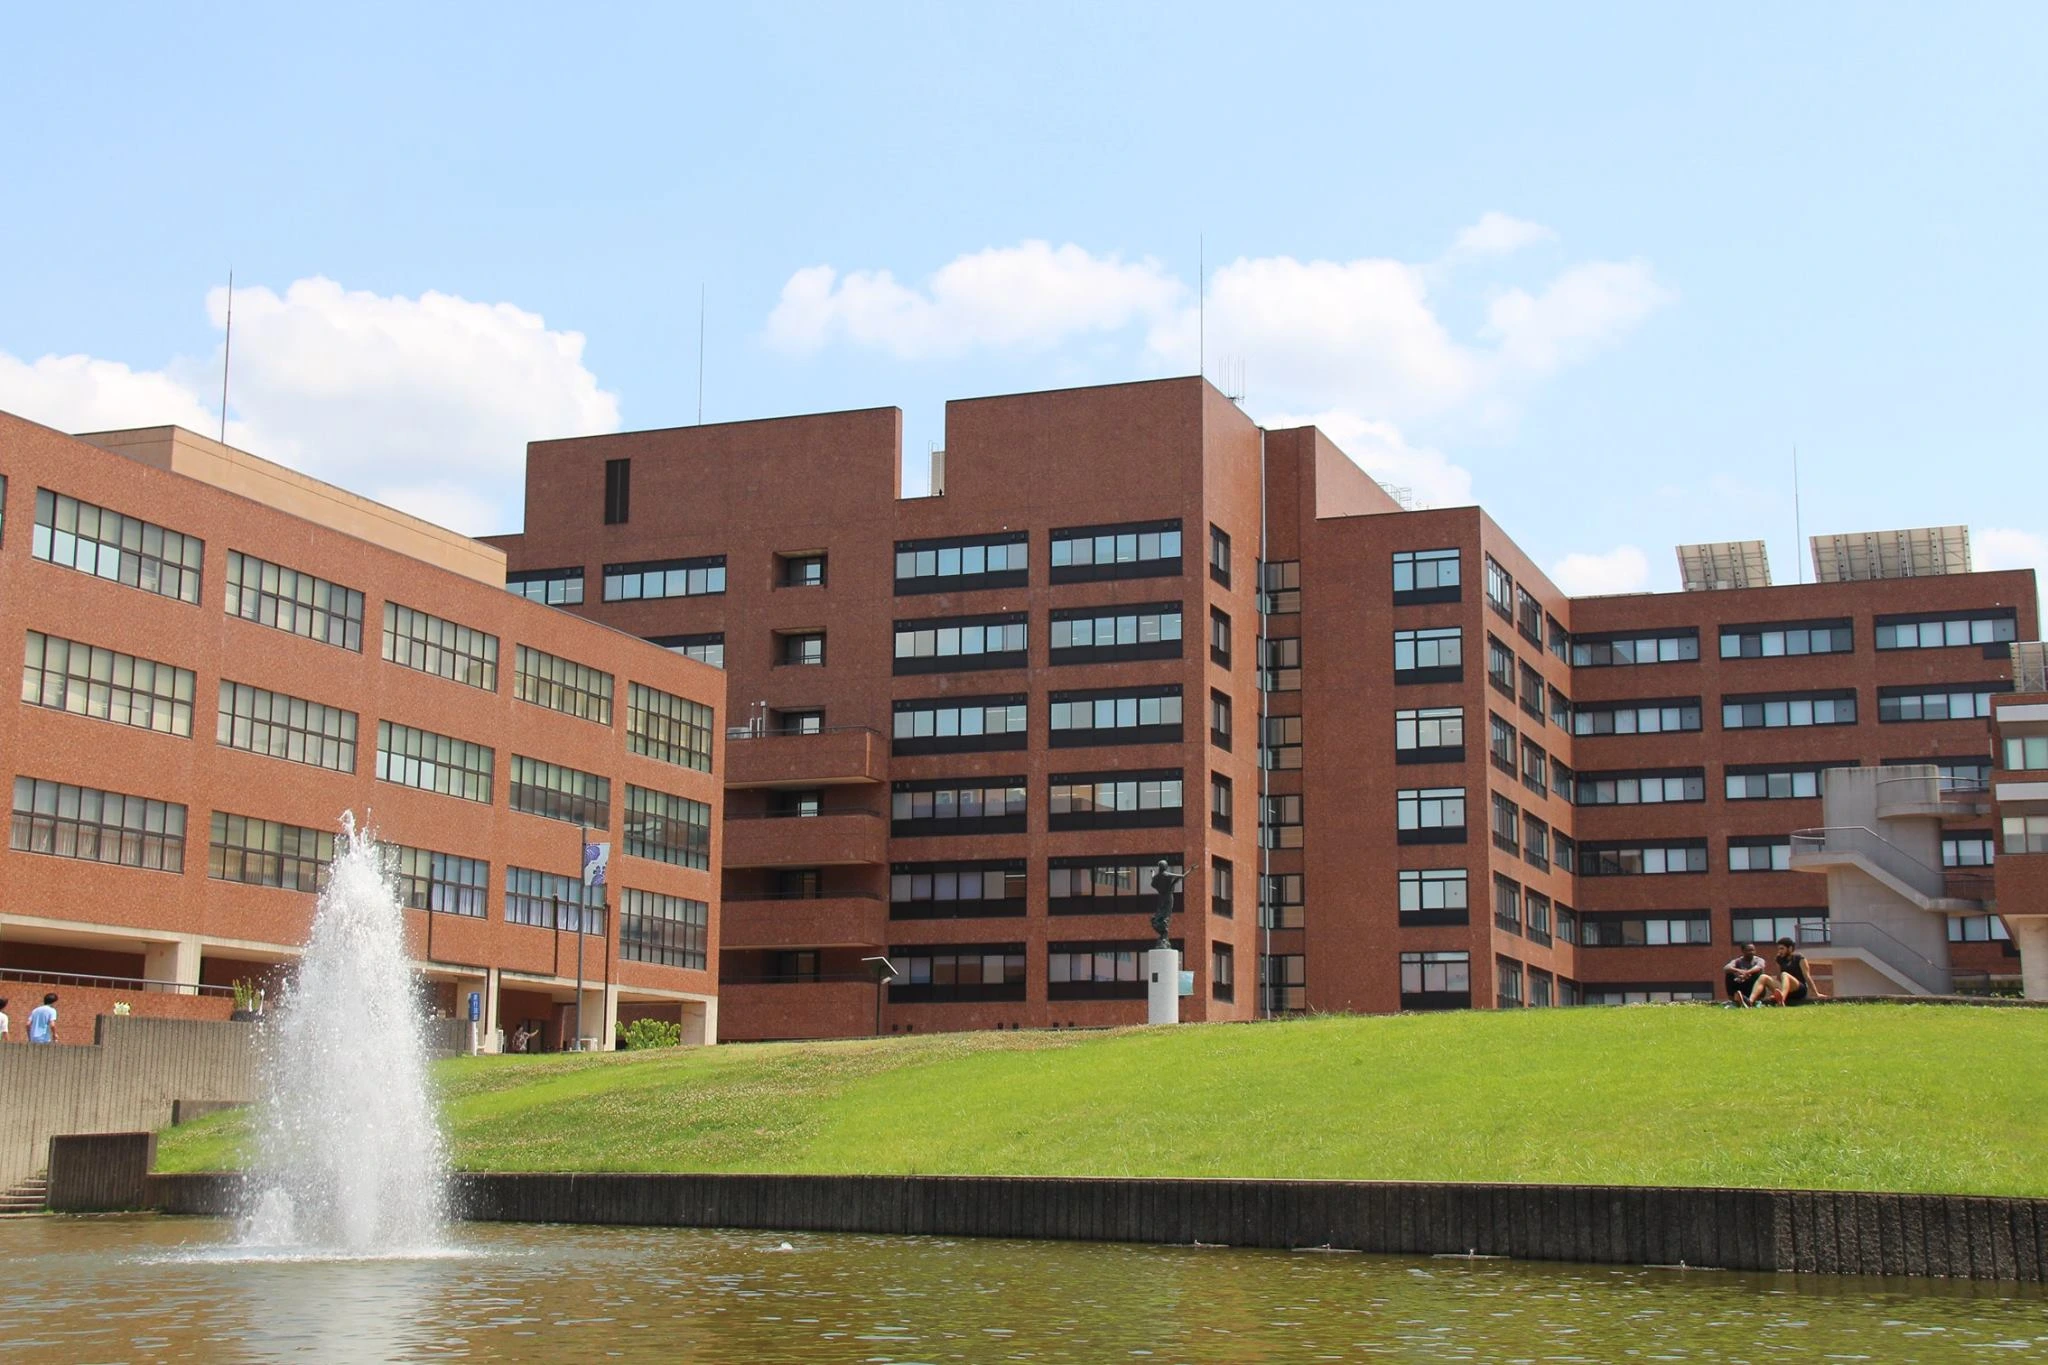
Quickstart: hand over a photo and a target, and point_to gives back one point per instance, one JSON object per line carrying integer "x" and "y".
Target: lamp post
{"x": 885, "y": 972}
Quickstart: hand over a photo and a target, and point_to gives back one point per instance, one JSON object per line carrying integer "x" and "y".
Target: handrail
{"x": 806, "y": 815}
{"x": 1883, "y": 945}
{"x": 43, "y": 978}
{"x": 1886, "y": 855}
{"x": 743, "y": 732}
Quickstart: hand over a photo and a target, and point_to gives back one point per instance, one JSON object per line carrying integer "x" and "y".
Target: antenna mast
{"x": 700, "y": 355}
{"x": 1798, "y": 522}
{"x": 1202, "y": 304}
{"x": 226, "y": 350}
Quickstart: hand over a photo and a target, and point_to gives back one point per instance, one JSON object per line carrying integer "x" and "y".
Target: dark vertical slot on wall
{"x": 618, "y": 491}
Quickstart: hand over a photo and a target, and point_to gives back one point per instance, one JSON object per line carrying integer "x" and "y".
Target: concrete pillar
{"x": 709, "y": 1028}
{"x": 490, "y": 1038}
{"x": 176, "y": 961}
{"x": 1162, "y": 986}
{"x": 2030, "y": 936}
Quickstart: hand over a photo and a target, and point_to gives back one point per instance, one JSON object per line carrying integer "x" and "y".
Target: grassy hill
{"x": 1873, "y": 1097}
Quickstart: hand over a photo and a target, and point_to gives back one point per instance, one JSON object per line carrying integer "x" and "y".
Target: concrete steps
{"x": 27, "y": 1199}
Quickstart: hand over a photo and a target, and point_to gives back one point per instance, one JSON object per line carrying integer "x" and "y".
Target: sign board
{"x": 476, "y": 1006}
{"x": 1187, "y": 983}
{"x": 597, "y": 861}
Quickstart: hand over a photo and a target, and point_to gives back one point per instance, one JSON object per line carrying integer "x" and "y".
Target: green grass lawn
{"x": 1870, "y": 1097}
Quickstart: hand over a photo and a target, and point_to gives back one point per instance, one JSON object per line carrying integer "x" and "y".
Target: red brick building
{"x": 967, "y": 722}
{"x": 219, "y": 656}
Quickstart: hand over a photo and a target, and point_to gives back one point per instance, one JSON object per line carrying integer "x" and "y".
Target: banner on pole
{"x": 597, "y": 861}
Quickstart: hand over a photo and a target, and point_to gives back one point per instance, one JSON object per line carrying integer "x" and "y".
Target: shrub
{"x": 643, "y": 1033}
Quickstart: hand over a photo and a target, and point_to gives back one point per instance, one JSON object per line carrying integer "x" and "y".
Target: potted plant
{"x": 248, "y": 1001}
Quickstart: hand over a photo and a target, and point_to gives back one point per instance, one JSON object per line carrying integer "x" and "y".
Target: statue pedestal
{"x": 1162, "y": 986}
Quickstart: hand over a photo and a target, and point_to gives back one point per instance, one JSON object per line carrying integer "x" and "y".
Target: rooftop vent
{"x": 1723, "y": 564}
{"x": 1924, "y": 552}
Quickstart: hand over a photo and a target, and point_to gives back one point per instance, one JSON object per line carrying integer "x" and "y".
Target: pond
{"x": 151, "y": 1288}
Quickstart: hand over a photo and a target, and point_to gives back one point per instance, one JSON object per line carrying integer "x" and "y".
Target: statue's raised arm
{"x": 1166, "y": 885}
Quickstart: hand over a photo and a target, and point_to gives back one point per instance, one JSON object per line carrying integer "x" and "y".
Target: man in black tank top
{"x": 1791, "y": 984}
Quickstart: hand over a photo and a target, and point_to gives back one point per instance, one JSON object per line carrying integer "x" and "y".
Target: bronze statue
{"x": 1166, "y": 883}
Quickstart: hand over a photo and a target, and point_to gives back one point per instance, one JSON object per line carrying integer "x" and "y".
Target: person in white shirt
{"x": 42, "y": 1020}
{"x": 3, "y": 1018}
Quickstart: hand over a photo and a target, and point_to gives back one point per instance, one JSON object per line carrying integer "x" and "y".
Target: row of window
{"x": 1955, "y": 701}
{"x": 1791, "y": 639}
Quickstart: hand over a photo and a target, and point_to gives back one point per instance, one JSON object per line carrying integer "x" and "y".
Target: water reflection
{"x": 159, "y": 1289}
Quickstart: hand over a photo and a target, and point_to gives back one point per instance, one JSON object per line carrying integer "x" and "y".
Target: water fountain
{"x": 349, "y": 1156}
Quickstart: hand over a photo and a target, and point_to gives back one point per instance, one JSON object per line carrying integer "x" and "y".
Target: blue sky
{"x": 1600, "y": 268}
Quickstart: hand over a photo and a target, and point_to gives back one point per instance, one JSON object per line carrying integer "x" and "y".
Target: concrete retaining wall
{"x": 100, "y": 1172}
{"x": 1819, "y": 1232}
{"x": 125, "y": 1081}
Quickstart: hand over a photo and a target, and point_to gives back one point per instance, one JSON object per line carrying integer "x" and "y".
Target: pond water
{"x": 146, "y": 1288}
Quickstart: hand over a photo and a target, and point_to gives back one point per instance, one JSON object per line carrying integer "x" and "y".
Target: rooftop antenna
{"x": 1798, "y": 522}
{"x": 227, "y": 348}
{"x": 700, "y": 355}
{"x": 1202, "y": 304}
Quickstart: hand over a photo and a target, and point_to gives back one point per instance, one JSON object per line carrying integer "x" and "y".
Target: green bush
{"x": 645, "y": 1033}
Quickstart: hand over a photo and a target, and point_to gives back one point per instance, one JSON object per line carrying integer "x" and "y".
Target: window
{"x": 1674, "y": 856}
{"x": 963, "y": 563}
{"x": 435, "y": 763}
{"x": 1564, "y": 782}
{"x": 1283, "y": 983}
{"x": 1540, "y": 996}
{"x": 704, "y": 648}
{"x": 1507, "y": 825}
{"x": 556, "y": 792}
{"x": 649, "y": 579}
{"x": 268, "y": 853}
{"x": 1122, "y": 800}
{"x": 667, "y": 829}
{"x": 1282, "y": 665}
{"x": 1281, "y": 584}
{"x": 1283, "y": 742}
{"x": 1528, "y": 615}
{"x": 669, "y": 931}
{"x": 1507, "y": 904}
{"x": 940, "y": 975}
{"x": 1219, "y": 638}
{"x": 1946, "y": 630}
{"x": 1095, "y": 971}
{"x": 806, "y": 649}
{"x": 293, "y": 602}
{"x": 618, "y": 491}
{"x": 1500, "y": 743}
{"x": 1283, "y": 906}
{"x": 1968, "y": 774}
{"x": 85, "y": 680}
{"x": 1535, "y": 842}
{"x": 535, "y": 898}
{"x": 291, "y": 728}
{"x": 1437, "y": 980}
{"x": 561, "y": 685}
{"x": 1500, "y": 590}
{"x": 1630, "y": 930}
{"x": 121, "y": 549}
{"x": 1508, "y": 978}
{"x": 1567, "y": 932}
{"x": 1434, "y": 734}
{"x": 1219, "y": 556}
{"x": 431, "y": 644}
{"x": 1429, "y": 655}
{"x": 1788, "y": 709}
{"x": 1968, "y": 848}
{"x": 959, "y": 725}
{"x": 800, "y": 965}
{"x": 1433, "y": 895}
{"x": 985, "y": 888}
{"x": 952, "y": 644}
{"x": 1280, "y": 822}
{"x": 1560, "y": 641}
{"x": 1620, "y": 650}
{"x": 1535, "y": 769}
{"x": 1768, "y": 926}
{"x": 1219, "y": 719}
{"x": 1560, "y": 710}
{"x": 2022, "y": 833}
{"x": 1118, "y": 715}
{"x": 1773, "y": 639}
{"x": 1222, "y": 971}
{"x": 1636, "y": 717}
{"x": 1089, "y": 635}
{"x": 1564, "y": 850}
{"x": 1759, "y": 853}
{"x": 1532, "y": 691}
{"x": 1536, "y": 916}
{"x": 667, "y": 727}
{"x": 1976, "y": 929}
{"x": 1966, "y": 701}
{"x": 1500, "y": 665}
{"x": 1219, "y": 802}
{"x": 1133, "y": 550}
{"x": 552, "y": 587}
{"x": 946, "y": 806}
{"x": 800, "y": 571}
{"x": 444, "y": 883}
{"x": 1645, "y": 788}
{"x": 1430, "y": 815}
{"x": 1767, "y": 782}
{"x": 1656, "y": 994}
{"x": 1222, "y": 888}
{"x": 97, "y": 826}
{"x": 2023, "y": 753}
{"x": 1425, "y": 576}
{"x": 1118, "y": 885}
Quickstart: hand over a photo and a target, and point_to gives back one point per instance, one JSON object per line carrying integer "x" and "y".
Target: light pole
{"x": 885, "y": 972}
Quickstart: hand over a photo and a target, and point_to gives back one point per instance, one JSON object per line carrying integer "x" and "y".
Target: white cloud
{"x": 1499, "y": 234}
{"x": 423, "y": 403}
{"x": 1032, "y": 295}
{"x": 1382, "y": 451}
{"x": 1578, "y": 312}
{"x": 1622, "y": 569}
{"x": 2003, "y": 547}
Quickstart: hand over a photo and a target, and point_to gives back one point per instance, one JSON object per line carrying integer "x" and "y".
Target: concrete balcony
{"x": 758, "y": 1011}
{"x": 844, "y": 921}
{"x": 1929, "y": 888}
{"x": 834, "y": 839}
{"x": 826, "y": 758}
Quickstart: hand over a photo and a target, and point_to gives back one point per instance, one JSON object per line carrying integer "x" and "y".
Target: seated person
{"x": 1791, "y": 984}
{"x": 1741, "y": 974}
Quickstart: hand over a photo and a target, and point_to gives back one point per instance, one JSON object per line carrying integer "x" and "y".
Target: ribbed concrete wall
{"x": 1817, "y": 1232}
{"x": 125, "y": 1082}
{"x": 100, "y": 1172}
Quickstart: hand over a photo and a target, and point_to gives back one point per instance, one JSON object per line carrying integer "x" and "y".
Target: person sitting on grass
{"x": 1741, "y": 974}
{"x": 1791, "y": 984}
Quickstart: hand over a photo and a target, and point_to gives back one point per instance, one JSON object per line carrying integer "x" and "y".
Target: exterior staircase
{"x": 29, "y": 1198}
